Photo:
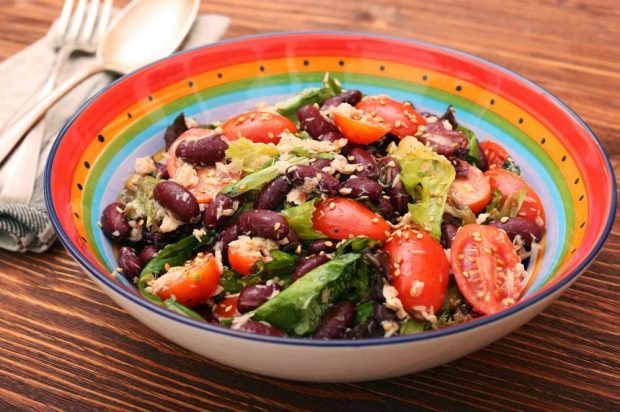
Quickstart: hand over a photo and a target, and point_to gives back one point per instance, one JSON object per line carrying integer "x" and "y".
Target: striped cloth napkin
{"x": 27, "y": 227}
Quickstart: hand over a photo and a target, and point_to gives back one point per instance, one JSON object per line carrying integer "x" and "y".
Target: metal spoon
{"x": 145, "y": 31}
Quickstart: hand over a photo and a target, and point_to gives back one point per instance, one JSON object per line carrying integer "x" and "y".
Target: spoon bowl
{"x": 146, "y": 31}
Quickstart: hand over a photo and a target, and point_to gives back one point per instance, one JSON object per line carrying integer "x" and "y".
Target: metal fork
{"x": 78, "y": 29}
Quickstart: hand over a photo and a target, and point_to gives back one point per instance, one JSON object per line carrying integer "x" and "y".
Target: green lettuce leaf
{"x": 427, "y": 177}
{"x": 288, "y": 108}
{"x": 143, "y": 204}
{"x": 252, "y": 156}
{"x": 299, "y": 219}
{"x": 298, "y": 308}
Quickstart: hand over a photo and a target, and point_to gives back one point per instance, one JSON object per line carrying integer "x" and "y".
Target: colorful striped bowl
{"x": 559, "y": 155}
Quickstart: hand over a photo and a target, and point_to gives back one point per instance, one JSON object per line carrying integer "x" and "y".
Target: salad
{"x": 330, "y": 215}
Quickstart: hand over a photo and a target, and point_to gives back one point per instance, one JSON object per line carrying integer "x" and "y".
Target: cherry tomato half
{"x": 507, "y": 183}
{"x": 191, "y": 284}
{"x": 472, "y": 190}
{"x": 402, "y": 118}
{"x": 340, "y": 218}
{"x": 260, "y": 127}
{"x": 419, "y": 270}
{"x": 227, "y": 308}
{"x": 244, "y": 252}
{"x": 358, "y": 126}
{"x": 485, "y": 266}
{"x": 495, "y": 154}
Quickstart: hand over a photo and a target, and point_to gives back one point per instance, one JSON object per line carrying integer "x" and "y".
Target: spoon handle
{"x": 18, "y": 129}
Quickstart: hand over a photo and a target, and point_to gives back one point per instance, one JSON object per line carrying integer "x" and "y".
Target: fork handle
{"x": 18, "y": 129}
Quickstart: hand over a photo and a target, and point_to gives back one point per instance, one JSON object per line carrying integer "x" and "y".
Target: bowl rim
{"x": 293, "y": 341}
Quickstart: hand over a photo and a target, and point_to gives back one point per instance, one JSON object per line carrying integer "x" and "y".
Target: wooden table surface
{"x": 66, "y": 345}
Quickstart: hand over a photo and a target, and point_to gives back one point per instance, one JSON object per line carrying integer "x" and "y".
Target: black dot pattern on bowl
{"x": 573, "y": 251}
{"x": 306, "y": 63}
{"x": 459, "y": 88}
{"x": 220, "y": 75}
{"x": 577, "y": 181}
{"x": 581, "y": 197}
{"x": 382, "y": 68}
{"x": 424, "y": 77}
{"x": 86, "y": 165}
{"x": 520, "y": 120}
{"x": 492, "y": 102}
{"x": 564, "y": 158}
{"x": 543, "y": 140}
{"x": 581, "y": 226}
{"x": 341, "y": 63}
{"x": 101, "y": 138}
{"x": 129, "y": 115}
{"x": 80, "y": 187}
{"x": 261, "y": 68}
{"x": 150, "y": 98}
{"x": 190, "y": 83}
{"x": 84, "y": 239}
{"x": 76, "y": 215}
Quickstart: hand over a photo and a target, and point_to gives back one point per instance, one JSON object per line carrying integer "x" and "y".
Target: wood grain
{"x": 64, "y": 345}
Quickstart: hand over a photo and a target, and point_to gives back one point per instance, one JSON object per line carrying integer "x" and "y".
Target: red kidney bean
{"x": 214, "y": 216}
{"x": 389, "y": 169}
{"x": 176, "y": 129}
{"x": 205, "y": 311}
{"x": 382, "y": 313}
{"x": 204, "y": 151}
{"x": 385, "y": 208}
{"x": 177, "y": 199}
{"x": 352, "y": 97}
{"x": 448, "y": 231}
{"x": 292, "y": 242}
{"x": 528, "y": 230}
{"x": 154, "y": 238}
{"x": 273, "y": 194}
{"x": 148, "y": 252}
{"x": 263, "y": 223}
{"x": 321, "y": 163}
{"x": 113, "y": 222}
{"x": 367, "y": 161}
{"x": 326, "y": 182}
{"x": 312, "y": 121}
{"x": 361, "y": 187}
{"x": 335, "y": 321}
{"x": 330, "y": 137}
{"x": 253, "y": 296}
{"x": 322, "y": 245}
{"x": 161, "y": 171}
{"x": 398, "y": 197}
{"x": 261, "y": 328}
{"x": 227, "y": 235}
{"x": 441, "y": 140}
{"x": 307, "y": 264}
{"x": 129, "y": 262}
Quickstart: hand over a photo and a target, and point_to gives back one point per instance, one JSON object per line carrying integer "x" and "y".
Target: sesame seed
{"x": 332, "y": 205}
{"x": 277, "y": 225}
{"x": 461, "y": 256}
{"x": 504, "y": 219}
{"x": 375, "y": 220}
{"x": 167, "y": 266}
{"x": 397, "y": 272}
{"x": 419, "y": 235}
{"x": 486, "y": 250}
{"x": 328, "y": 243}
{"x": 351, "y": 158}
{"x": 465, "y": 274}
{"x": 243, "y": 187}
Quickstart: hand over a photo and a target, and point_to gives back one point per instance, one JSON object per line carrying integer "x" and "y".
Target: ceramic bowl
{"x": 559, "y": 155}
